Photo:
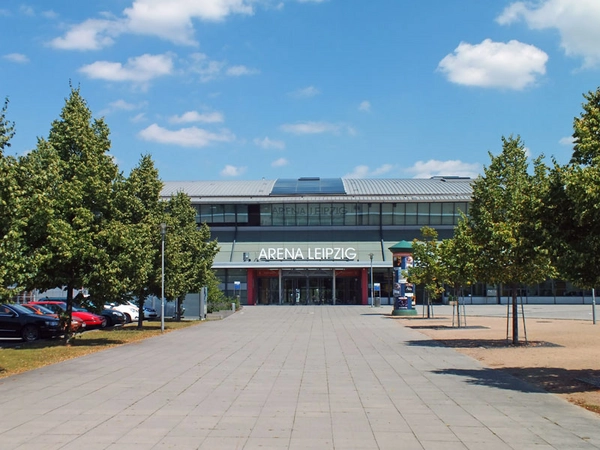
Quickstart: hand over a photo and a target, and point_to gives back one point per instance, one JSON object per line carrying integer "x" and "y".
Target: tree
{"x": 10, "y": 260}
{"x": 510, "y": 244}
{"x": 427, "y": 269}
{"x": 139, "y": 212}
{"x": 457, "y": 259}
{"x": 73, "y": 251}
{"x": 189, "y": 252}
{"x": 571, "y": 217}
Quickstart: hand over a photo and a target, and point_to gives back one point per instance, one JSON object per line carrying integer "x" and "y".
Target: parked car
{"x": 92, "y": 321}
{"x": 130, "y": 310}
{"x": 77, "y": 324}
{"x": 113, "y": 317}
{"x": 150, "y": 313}
{"x": 19, "y": 322}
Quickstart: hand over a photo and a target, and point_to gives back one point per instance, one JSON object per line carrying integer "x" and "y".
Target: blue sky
{"x": 250, "y": 89}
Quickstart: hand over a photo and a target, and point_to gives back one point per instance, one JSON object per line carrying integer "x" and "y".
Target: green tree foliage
{"x": 189, "y": 252}
{"x": 457, "y": 259}
{"x": 427, "y": 269}
{"x": 510, "y": 244}
{"x": 7, "y": 129}
{"x": 11, "y": 264}
{"x": 75, "y": 251}
{"x": 586, "y": 131}
{"x": 139, "y": 212}
{"x": 571, "y": 197}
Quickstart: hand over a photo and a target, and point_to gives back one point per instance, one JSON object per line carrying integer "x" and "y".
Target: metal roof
{"x": 357, "y": 189}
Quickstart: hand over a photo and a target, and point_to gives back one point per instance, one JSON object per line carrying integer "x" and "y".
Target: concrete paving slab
{"x": 289, "y": 377}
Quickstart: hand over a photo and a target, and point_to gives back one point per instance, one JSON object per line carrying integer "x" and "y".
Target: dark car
{"x": 19, "y": 322}
{"x": 77, "y": 325}
{"x": 92, "y": 321}
{"x": 113, "y": 317}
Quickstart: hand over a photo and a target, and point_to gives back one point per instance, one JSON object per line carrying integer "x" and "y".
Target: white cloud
{"x": 139, "y": 70}
{"x": 121, "y": 105}
{"x": 17, "y": 58}
{"x": 141, "y": 117}
{"x": 50, "y": 14}
{"x": 365, "y": 106}
{"x": 93, "y": 34}
{"x": 171, "y": 20}
{"x": 27, "y": 10}
{"x": 232, "y": 171}
{"x": 207, "y": 69}
{"x": 577, "y": 21}
{"x": 428, "y": 169}
{"x": 364, "y": 171}
{"x": 195, "y": 116}
{"x": 238, "y": 71}
{"x": 511, "y": 65}
{"x": 307, "y": 92}
{"x": 267, "y": 143}
{"x": 567, "y": 140}
{"x": 311, "y": 128}
{"x": 280, "y": 162}
{"x": 185, "y": 137}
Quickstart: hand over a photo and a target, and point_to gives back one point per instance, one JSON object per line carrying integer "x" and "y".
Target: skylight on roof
{"x": 308, "y": 185}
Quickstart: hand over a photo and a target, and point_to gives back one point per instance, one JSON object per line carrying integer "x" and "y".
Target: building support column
{"x": 364, "y": 284}
{"x": 280, "y": 286}
{"x": 333, "y": 288}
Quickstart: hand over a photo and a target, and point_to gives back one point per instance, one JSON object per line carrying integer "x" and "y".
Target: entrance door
{"x": 308, "y": 287}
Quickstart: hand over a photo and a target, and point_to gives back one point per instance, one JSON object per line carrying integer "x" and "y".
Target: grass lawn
{"x": 20, "y": 357}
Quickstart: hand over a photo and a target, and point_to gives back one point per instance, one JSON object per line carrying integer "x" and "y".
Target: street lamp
{"x": 372, "y": 293}
{"x": 163, "y": 232}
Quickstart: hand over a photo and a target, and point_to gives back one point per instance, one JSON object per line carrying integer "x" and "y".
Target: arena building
{"x": 331, "y": 240}
{"x": 318, "y": 240}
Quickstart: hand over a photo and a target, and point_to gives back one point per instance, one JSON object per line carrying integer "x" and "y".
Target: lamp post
{"x": 163, "y": 232}
{"x": 372, "y": 293}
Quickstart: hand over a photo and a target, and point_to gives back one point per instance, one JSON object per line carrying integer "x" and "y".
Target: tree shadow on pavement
{"x": 555, "y": 380}
{"x": 478, "y": 343}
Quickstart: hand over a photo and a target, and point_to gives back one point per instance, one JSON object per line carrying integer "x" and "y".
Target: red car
{"x": 92, "y": 321}
{"x": 77, "y": 324}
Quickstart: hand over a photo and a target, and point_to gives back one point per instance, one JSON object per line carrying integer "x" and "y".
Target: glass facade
{"x": 334, "y": 214}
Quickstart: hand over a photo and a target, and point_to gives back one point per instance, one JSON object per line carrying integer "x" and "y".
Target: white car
{"x": 130, "y": 310}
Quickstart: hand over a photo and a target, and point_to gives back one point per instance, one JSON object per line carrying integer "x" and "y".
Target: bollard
{"x": 233, "y": 307}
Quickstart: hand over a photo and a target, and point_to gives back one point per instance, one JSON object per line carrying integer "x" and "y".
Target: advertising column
{"x": 403, "y": 290}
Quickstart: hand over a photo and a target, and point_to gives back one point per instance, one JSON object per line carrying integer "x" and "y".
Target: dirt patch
{"x": 559, "y": 356}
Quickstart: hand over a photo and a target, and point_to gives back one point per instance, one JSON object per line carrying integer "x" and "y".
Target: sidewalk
{"x": 277, "y": 377}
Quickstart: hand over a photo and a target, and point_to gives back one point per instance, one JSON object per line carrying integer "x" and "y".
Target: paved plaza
{"x": 286, "y": 377}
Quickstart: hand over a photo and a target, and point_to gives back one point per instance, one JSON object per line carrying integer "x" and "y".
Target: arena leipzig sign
{"x": 318, "y": 254}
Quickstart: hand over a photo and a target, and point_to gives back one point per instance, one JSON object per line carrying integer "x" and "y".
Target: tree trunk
{"x": 457, "y": 298}
{"x": 140, "y": 304}
{"x": 69, "y": 313}
{"x": 515, "y": 316}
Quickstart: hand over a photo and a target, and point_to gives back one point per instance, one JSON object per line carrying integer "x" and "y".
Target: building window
{"x": 399, "y": 214}
{"x": 265, "y": 216}
{"x": 387, "y": 213}
{"x": 350, "y": 214}
{"x": 458, "y": 207}
{"x": 374, "y": 213}
{"x": 277, "y": 214}
{"x": 423, "y": 213}
{"x": 435, "y": 213}
{"x": 242, "y": 214}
